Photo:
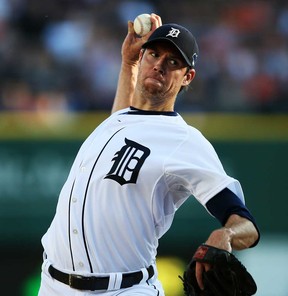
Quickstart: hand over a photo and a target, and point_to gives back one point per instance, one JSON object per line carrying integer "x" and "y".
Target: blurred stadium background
{"x": 59, "y": 63}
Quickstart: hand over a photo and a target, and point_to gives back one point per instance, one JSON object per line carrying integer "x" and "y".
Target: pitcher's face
{"x": 163, "y": 71}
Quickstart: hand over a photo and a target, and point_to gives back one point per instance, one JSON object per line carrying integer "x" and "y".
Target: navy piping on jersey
{"x": 135, "y": 111}
{"x": 226, "y": 203}
{"x": 69, "y": 226}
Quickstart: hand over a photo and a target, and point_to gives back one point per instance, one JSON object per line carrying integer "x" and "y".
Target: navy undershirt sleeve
{"x": 226, "y": 203}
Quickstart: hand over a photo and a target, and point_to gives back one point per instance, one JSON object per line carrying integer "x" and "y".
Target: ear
{"x": 141, "y": 53}
{"x": 189, "y": 76}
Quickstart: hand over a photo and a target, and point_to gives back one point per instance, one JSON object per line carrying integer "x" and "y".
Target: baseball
{"x": 142, "y": 24}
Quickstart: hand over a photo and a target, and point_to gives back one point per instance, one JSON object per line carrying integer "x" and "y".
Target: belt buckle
{"x": 72, "y": 278}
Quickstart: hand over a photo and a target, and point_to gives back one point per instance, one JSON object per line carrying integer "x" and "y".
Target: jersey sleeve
{"x": 199, "y": 170}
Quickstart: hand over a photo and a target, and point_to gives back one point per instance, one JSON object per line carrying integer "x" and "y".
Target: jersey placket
{"x": 78, "y": 254}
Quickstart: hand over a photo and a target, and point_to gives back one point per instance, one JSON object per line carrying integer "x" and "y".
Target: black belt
{"x": 97, "y": 283}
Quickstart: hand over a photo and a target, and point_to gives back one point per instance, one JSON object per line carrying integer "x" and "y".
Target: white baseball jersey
{"x": 129, "y": 177}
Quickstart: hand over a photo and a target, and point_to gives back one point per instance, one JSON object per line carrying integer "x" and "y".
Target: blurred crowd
{"x": 65, "y": 54}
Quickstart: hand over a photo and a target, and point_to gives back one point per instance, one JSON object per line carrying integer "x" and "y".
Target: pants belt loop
{"x": 145, "y": 275}
{"x": 115, "y": 281}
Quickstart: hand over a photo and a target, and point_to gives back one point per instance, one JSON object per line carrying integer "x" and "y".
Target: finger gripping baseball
{"x": 226, "y": 277}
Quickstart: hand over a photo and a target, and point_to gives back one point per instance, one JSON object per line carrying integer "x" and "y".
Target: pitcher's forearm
{"x": 238, "y": 234}
{"x": 245, "y": 233}
{"x": 126, "y": 86}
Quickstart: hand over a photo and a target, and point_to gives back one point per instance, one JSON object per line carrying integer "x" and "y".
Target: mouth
{"x": 155, "y": 79}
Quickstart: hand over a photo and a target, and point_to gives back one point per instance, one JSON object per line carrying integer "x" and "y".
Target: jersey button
{"x": 74, "y": 199}
{"x": 75, "y": 231}
{"x": 81, "y": 264}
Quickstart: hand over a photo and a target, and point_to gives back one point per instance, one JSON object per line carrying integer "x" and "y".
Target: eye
{"x": 173, "y": 62}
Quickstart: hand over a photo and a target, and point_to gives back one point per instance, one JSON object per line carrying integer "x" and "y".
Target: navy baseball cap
{"x": 180, "y": 37}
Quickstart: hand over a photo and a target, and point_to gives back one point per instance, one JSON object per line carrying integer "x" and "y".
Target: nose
{"x": 159, "y": 66}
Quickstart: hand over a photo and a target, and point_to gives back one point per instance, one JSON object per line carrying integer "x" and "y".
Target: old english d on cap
{"x": 180, "y": 37}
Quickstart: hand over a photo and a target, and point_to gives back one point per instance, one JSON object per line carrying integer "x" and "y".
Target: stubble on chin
{"x": 153, "y": 94}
